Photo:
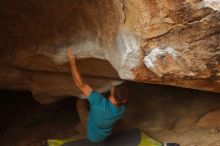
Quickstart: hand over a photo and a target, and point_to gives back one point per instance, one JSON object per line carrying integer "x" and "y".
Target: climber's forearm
{"x": 75, "y": 73}
{"x": 85, "y": 88}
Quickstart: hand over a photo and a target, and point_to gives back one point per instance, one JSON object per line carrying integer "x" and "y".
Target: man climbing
{"x": 104, "y": 112}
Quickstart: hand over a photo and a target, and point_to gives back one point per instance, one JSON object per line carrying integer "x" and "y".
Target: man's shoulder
{"x": 95, "y": 97}
{"x": 94, "y": 93}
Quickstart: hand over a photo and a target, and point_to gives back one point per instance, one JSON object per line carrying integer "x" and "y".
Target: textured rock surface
{"x": 164, "y": 108}
{"x": 211, "y": 119}
{"x": 163, "y": 42}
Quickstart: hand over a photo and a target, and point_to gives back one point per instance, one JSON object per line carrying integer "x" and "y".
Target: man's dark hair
{"x": 121, "y": 92}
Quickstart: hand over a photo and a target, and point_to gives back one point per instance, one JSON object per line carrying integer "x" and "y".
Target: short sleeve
{"x": 95, "y": 98}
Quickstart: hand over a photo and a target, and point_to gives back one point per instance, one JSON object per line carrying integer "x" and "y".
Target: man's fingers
{"x": 70, "y": 54}
{"x": 70, "y": 50}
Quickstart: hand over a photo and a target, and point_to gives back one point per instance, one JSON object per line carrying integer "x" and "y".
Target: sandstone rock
{"x": 216, "y": 143}
{"x": 162, "y": 42}
{"x": 164, "y": 108}
{"x": 210, "y": 120}
{"x": 214, "y": 131}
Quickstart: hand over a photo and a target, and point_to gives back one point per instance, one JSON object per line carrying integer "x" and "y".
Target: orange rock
{"x": 210, "y": 120}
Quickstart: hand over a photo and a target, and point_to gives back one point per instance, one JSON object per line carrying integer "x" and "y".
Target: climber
{"x": 104, "y": 112}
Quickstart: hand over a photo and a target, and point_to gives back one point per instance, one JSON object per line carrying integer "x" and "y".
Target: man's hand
{"x": 70, "y": 54}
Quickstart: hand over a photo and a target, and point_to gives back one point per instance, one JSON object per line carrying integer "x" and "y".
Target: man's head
{"x": 119, "y": 93}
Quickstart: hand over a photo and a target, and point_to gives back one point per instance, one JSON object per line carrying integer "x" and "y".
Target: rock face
{"x": 165, "y": 108}
{"x": 163, "y": 42}
{"x": 210, "y": 120}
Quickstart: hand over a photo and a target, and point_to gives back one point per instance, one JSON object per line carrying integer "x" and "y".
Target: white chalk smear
{"x": 150, "y": 59}
{"x": 84, "y": 49}
{"x": 214, "y": 4}
{"x": 126, "y": 55}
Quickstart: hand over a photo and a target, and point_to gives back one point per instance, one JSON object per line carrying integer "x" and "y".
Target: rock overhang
{"x": 174, "y": 43}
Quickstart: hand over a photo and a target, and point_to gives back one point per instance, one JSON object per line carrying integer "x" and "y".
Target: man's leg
{"x": 83, "y": 111}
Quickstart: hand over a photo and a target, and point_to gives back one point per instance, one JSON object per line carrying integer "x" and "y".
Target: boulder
{"x": 210, "y": 120}
{"x": 160, "y": 42}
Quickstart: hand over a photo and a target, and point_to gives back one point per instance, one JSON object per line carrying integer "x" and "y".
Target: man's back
{"x": 102, "y": 116}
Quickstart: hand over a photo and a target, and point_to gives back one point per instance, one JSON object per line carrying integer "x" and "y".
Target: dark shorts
{"x": 127, "y": 138}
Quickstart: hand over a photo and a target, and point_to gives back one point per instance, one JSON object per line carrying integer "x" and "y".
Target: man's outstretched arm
{"x": 86, "y": 89}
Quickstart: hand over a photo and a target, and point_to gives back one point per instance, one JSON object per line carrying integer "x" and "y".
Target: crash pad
{"x": 133, "y": 137}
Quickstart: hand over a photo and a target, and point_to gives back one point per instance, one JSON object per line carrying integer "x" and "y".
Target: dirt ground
{"x": 24, "y": 122}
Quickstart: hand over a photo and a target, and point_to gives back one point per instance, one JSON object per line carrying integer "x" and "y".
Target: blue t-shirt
{"x": 102, "y": 116}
